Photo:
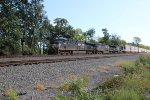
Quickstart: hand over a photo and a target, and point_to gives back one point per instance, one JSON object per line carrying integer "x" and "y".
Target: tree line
{"x": 25, "y": 29}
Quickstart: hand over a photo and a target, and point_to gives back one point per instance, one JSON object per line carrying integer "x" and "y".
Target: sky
{"x": 126, "y": 18}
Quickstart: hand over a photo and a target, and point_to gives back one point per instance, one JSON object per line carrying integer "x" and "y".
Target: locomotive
{"x": 69, "y": 46}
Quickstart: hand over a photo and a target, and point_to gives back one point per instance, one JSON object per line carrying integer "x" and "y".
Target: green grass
{"x": 11, "y": 94}
{"x": 137, "y": 82}
{"x": 77, "y": 89}
{"x": 126, "y": 94}
{"x": 110, "y": 83}
{"x": 132, "y": 85}
{"x": 81, "y": 96}
{"x": 75, "y": 86}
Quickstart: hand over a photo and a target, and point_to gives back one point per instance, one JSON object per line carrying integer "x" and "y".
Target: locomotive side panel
{"x": 72, "y": 47}
{"x": 102, "y": 48}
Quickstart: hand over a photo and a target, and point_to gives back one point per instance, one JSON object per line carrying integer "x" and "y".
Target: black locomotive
{"x": 69, "y": 46}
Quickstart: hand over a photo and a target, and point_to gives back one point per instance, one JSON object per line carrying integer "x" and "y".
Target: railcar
{"x": 115, "y": 49}
{"x": 63, "y": 46}
{"x": 134, "y": 49}
{"x": 102, "y": 48}
{"x": 130, "y": 49}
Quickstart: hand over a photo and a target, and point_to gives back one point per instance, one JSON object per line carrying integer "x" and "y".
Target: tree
{"x": 45, "y": 33}
{"x": 137, "y": 40}
{"x": 61, "y": 28}
{"x": 92, "y": 40}
{"x": 100, "y": 40}
{"x": 35, "y": 18}
{"x": 123, "y": 42}
{"x": 21, "y": 22}
{"x": 106, "y": 36}
{"x": 69, "y": 31}
{"x": 90, "y": 33}
{"x": 60, "y": 22}
{"x": 115, "y": 40}
{"x": 10, "y": 32}
{"x": 79, "y": 35}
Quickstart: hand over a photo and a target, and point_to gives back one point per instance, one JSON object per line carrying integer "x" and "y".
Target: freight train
{"x": 69, "y": 46}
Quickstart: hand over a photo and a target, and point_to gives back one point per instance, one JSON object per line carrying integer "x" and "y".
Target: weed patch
{"x": 39, "y": 87}
{"x": 134, "y": 84}
{"x": 112, "y": 82}
{"x": 126, "y": 94}
{"x": 74, "y": 86}
{"x": 11, "y": 94}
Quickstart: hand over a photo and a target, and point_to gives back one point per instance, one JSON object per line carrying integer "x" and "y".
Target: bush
{"x": 137, "y": 83}
{"x": 27, "y": 50}
{"x": 11, "y": 94}
{"x": 113, "y": 82}
{"x": 9, "y": 47}
{"x": 86, "y": 96}
{"x": 143, "y": 60}
{"x": 81, "y": 96}
{"x": 74, "y": 86}
{"x": 77, "y": 89}
{"x": 128, "y": 67}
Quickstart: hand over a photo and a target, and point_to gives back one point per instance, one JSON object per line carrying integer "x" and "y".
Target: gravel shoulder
{"x": 23, "y": 78}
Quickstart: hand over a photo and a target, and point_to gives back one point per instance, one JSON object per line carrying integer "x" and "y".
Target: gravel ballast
{"x": 23, "y": 78}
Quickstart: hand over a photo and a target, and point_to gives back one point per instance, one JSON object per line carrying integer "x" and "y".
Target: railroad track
{"x": 22, "y": 56}
{"x": 50, "y": 55}
{"x": 29, "y": 62}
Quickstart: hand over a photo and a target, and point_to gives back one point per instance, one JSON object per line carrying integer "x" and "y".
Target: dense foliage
{"x": 25, "y": 29}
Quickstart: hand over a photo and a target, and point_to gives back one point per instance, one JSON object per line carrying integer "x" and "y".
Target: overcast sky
{"x": 126, "y": 18}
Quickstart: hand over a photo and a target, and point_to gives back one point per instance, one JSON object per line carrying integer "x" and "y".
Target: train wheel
{"x": 71, "y": 52}
{"x": 67, "y": 53}
{"x": 86, "y": 52}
